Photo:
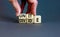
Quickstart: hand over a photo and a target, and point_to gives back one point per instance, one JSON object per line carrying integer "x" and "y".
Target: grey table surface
{"x": 12, "y": 29}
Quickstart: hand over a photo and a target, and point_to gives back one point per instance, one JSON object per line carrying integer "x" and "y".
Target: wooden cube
{"x": 21, "y": 16}
{"x": 29, "y": 16}
{"x": 37, "y": 19}
{"x": 22, "y": 21}
{"x": 29, "y": 20}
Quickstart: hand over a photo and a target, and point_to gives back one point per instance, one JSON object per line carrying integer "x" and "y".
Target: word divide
{"x": 29, "y": 18}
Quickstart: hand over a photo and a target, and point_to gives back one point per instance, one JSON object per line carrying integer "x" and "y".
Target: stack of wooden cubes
{"x": 29, "y": 18}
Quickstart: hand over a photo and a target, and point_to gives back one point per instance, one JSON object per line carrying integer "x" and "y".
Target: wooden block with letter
{"x": 37, "y": 19}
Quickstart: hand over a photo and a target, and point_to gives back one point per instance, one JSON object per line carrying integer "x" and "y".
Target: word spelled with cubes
{"x": 29, "y": 18}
